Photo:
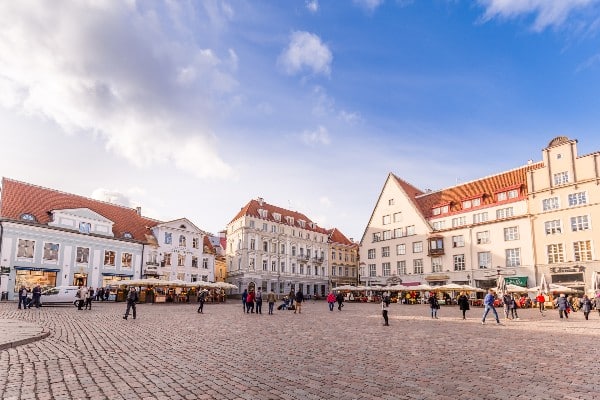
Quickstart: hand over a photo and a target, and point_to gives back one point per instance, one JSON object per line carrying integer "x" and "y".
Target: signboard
{"x": 516, "y": 280}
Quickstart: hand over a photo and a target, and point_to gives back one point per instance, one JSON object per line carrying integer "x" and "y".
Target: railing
{"x": 435, "y": 252}
{"x": 155, "y": 263}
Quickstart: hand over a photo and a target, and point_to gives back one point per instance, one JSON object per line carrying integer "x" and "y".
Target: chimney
{"x": 260, "y": 201}
{"x": 139, "y": 211}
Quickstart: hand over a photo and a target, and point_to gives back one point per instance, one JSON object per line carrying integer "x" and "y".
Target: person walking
{"x": 299, "y": 300}
{"x": 331, "y": 300}
{"x": 81, "y": 295}
{"x": 563, "y": 306}
{"x": 106, "y": 293}
{"x": 271, "y": 298}
{"x": 250, "y": 302}
{"x": 596, "y": 303}
{"x": 132, "y": 299}
{"x": 512, "y": 306}
{"x": 385, "y": 305}
{"x": 540, "y": 299}
{"x": 340, "y": 300}
{"x": 506, "y": 304}
{"x": 22, "y": 297}
{"x": 434, "y": 305}
{"x": 586, "y": 306}
{"x": 244, "y": 298}
{"x": 36, "y": 295}
{"x": 463, "y": 304}
{"x": 258, "y": 301}
{"x": 201, "y": 300}
{"x": 488, "y": 302}
{"x": 89, "y": 297}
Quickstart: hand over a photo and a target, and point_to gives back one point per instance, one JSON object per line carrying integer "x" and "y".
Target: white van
{"x": 60, "y": 295}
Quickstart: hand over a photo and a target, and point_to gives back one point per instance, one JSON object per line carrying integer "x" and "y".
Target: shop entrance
{"x": 80, "y": 279}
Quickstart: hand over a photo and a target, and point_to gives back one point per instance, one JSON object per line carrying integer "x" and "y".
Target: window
{"x": 582, "y": 250}
{"x": 340, "y": 271}
{"x": 502, "y": 196}
{"x": 182, "y": 242}
{"x": 387, "y": 235}
{"x": 251, "y": 223}
{"x": 51, "y": 251}
{"x": 513, "y": 257}
{"x": 196, "y": 243}
{"x": 410, "y": 230}
{"x": 390, "y": 202}
{"x": 459, "y": 262}
{"x": 387, "y": 219}
{"x": 83, "y": 255}
{"x": 252, "y": 244}
{"x": 265, "y": 246}
{"x": 293, "y": 250}
{"x": 273, "y": 228}
{"x": 168, "y": 238}
{"x": 85, "y": 227}
{"x": 264, "y": 226}
{"x": 561, "y": 178}
{"x": 126, "y": 260}
{"x": 436, "y": 264}
{"x": 398, "y": 217}
{"x": 504, "y": 213}
{"x": 439, "y": 225}
{"x": 398, "y": 232}
{"x": 180, "y": 260}
{"x": 460, "y": 221}
{"x": 458, "y": 241}
{"x": 371, "y": 254}
{"x": 194, "y": 262}
{"x": 513, "y": 194}
{"x": 484, "y": 260}
{"x": 109, "y": 258}
{"x": 467, "y": 204}
{"x": 577, "y": 199}
{"x": 436, "y": 244}
{"x": 480, "y": 217}
{"x": 552, "y": 227}
{"x": 511, "y": 233}
{"x": 401, "y": 249}
{"x": 376, "y": 236}
{"x": 417, "y": 247}
{"x": 282, "y": 266}
{"x": 440, "y": 210}
{"x": 26, "y": 248}
{"x": 418, "y": 266}
{"x": 476, "y": 202}
{"x": 580, "y": 223}
{"x": 385, "y": 251}
{"x": 401, "y": 267}
{"x": 167, "y": 259}
{"x": 550, "y": 204}
{"x": 273, "y": 266}
{"x": 556, "y": 253}
{"x": 386, "y": 268}
{"x": 483, "y": 237}
{"x": 28, "y": 217}
{"x": 372, "y": 270}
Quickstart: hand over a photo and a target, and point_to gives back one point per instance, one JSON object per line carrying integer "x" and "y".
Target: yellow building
{"x": 343, "y": 259}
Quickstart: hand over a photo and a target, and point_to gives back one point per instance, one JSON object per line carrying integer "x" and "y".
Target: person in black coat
{"x": 340, "y": 300}
{"x": 463, "y": 304}
{"x": 434, "y": 304}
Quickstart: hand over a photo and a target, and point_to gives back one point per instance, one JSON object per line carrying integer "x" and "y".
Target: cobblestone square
{"x": 172, "y": 352}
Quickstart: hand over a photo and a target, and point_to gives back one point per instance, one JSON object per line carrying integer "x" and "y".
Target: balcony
{"x": 318, "y": 259}
{"x": 435, "y": 252}
{"x": 152, "y": 263}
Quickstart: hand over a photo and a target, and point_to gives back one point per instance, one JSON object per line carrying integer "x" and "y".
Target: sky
{"x": 193, "y": 108}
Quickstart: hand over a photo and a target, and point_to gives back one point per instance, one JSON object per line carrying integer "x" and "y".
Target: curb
{"x": 9, "y": 345}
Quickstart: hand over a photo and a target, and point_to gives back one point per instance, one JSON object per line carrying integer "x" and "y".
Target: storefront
{"x": 32, "y": 276}
{"x": 572, "y": 277}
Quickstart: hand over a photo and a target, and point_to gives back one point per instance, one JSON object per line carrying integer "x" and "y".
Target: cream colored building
{"x": 564, "y": 197}
{"x": 343, "y": 259}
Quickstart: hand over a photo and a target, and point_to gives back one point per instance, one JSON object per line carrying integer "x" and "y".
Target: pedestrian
{"x": 434, "y": 304}
{"x": 331, "y": 300}
{"x": 100, "y": 294}
{"x": 597, "y": 303}
{"x": 271, "y": 298}
{"x": 488, "y": 302}
{"x": 89, "y": 298}
{"x": 541, "y": 300}
{"x": 81, "y": 296}
{"x": 463, "y": 304}
{"x": 36, "y": 295}
{"x": 132, "y": 299}
{"x": 340, "y": 300}
{"x": 299, "y": 300}
{"x": 512, "y": 306}
{"x": 244, "y": 298}
{"x": 258, "y": 301}
{"x": 250, "y": 302}
{"x": 506, "y": 304}
{"x": 385, "y": 305}
{"x": 291, "y": 297}
{"x": 586, "y": 306}
{"x": 23, "y": 297}
{"x": 201, "y": 300}
{"x": 563, "y": 306}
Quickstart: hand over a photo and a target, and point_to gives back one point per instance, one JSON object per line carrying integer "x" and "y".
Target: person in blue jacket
{"x": 488, "y": 302}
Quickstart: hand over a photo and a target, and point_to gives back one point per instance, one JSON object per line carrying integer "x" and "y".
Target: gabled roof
{"x": 20, "y": 197}
{"x": 252, "y": 207}
{"x": 177, "y": 222}
{"x": 335, "y": 236}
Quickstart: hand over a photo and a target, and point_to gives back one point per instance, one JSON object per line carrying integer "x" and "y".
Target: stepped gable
{"x": 485, "y": 187}
{"x": 252, "y": 207}
{"x": 19, "y": 198}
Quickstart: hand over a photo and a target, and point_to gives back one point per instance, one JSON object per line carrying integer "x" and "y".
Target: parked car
{"x": 60, "y": 295}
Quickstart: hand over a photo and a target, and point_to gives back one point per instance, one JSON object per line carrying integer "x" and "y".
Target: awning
{"x": 37, "y": 269}
{"x": 437, "y": 277}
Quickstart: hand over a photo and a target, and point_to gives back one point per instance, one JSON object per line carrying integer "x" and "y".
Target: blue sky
{"x": 191, "y": 109}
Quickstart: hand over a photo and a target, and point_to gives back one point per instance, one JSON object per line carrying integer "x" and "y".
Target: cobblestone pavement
{"x": 172, "y": 352}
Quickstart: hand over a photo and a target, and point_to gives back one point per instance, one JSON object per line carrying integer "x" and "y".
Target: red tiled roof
{"x": 208, "y": 247}
{"x": 19, "y": 198}
{"x": 251, "y": 210}
{"x": 335, "y": 236}
{"x": 486, "y": 187}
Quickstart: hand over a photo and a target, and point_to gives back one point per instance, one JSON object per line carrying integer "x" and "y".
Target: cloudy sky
{"x": 192, "y": 108}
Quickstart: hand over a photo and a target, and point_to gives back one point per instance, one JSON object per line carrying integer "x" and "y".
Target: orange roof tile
{"x": 335, "y": 236}
{"x": 19, "y": 198}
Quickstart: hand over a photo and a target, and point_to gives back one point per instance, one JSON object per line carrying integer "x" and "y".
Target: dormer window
{"x": 28, "y": 217}
{"x": 127, "y": 235}
{"x": 277, "y": 217}
{"x": 262, "y": 213}
{"x": 85, "y": 227}
{"x": 441, "y": 209}
{"x": 301, "y": 223}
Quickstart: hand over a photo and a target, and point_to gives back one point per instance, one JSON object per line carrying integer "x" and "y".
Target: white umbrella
{"x": 515, "y": 289}
{"x": 559, "y": 288}
{"x": 450, "y": 287}
{"x": 468, "y": 288}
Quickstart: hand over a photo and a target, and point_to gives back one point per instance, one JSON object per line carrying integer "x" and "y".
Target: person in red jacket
{"x": 250, "y": 302}
{"x": 541, "y": 300}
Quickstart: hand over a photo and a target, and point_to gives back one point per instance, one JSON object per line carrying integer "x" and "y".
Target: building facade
{"x": 277, "y": 250}
{"x": 343, "y": 259}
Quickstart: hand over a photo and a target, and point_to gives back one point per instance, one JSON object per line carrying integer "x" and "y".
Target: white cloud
{"x": 306, "y": 51}
{"x": 115, "y": 69}
{"x": 112, "y": 196}
{"x": 316, "y": 137}
{"x": 350, "y": 117}
{"x": 369, "y": 5}
{"x": 547, "y": 12}
{"x": 325, "y": 201}
{"x": 312, "y": 5}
